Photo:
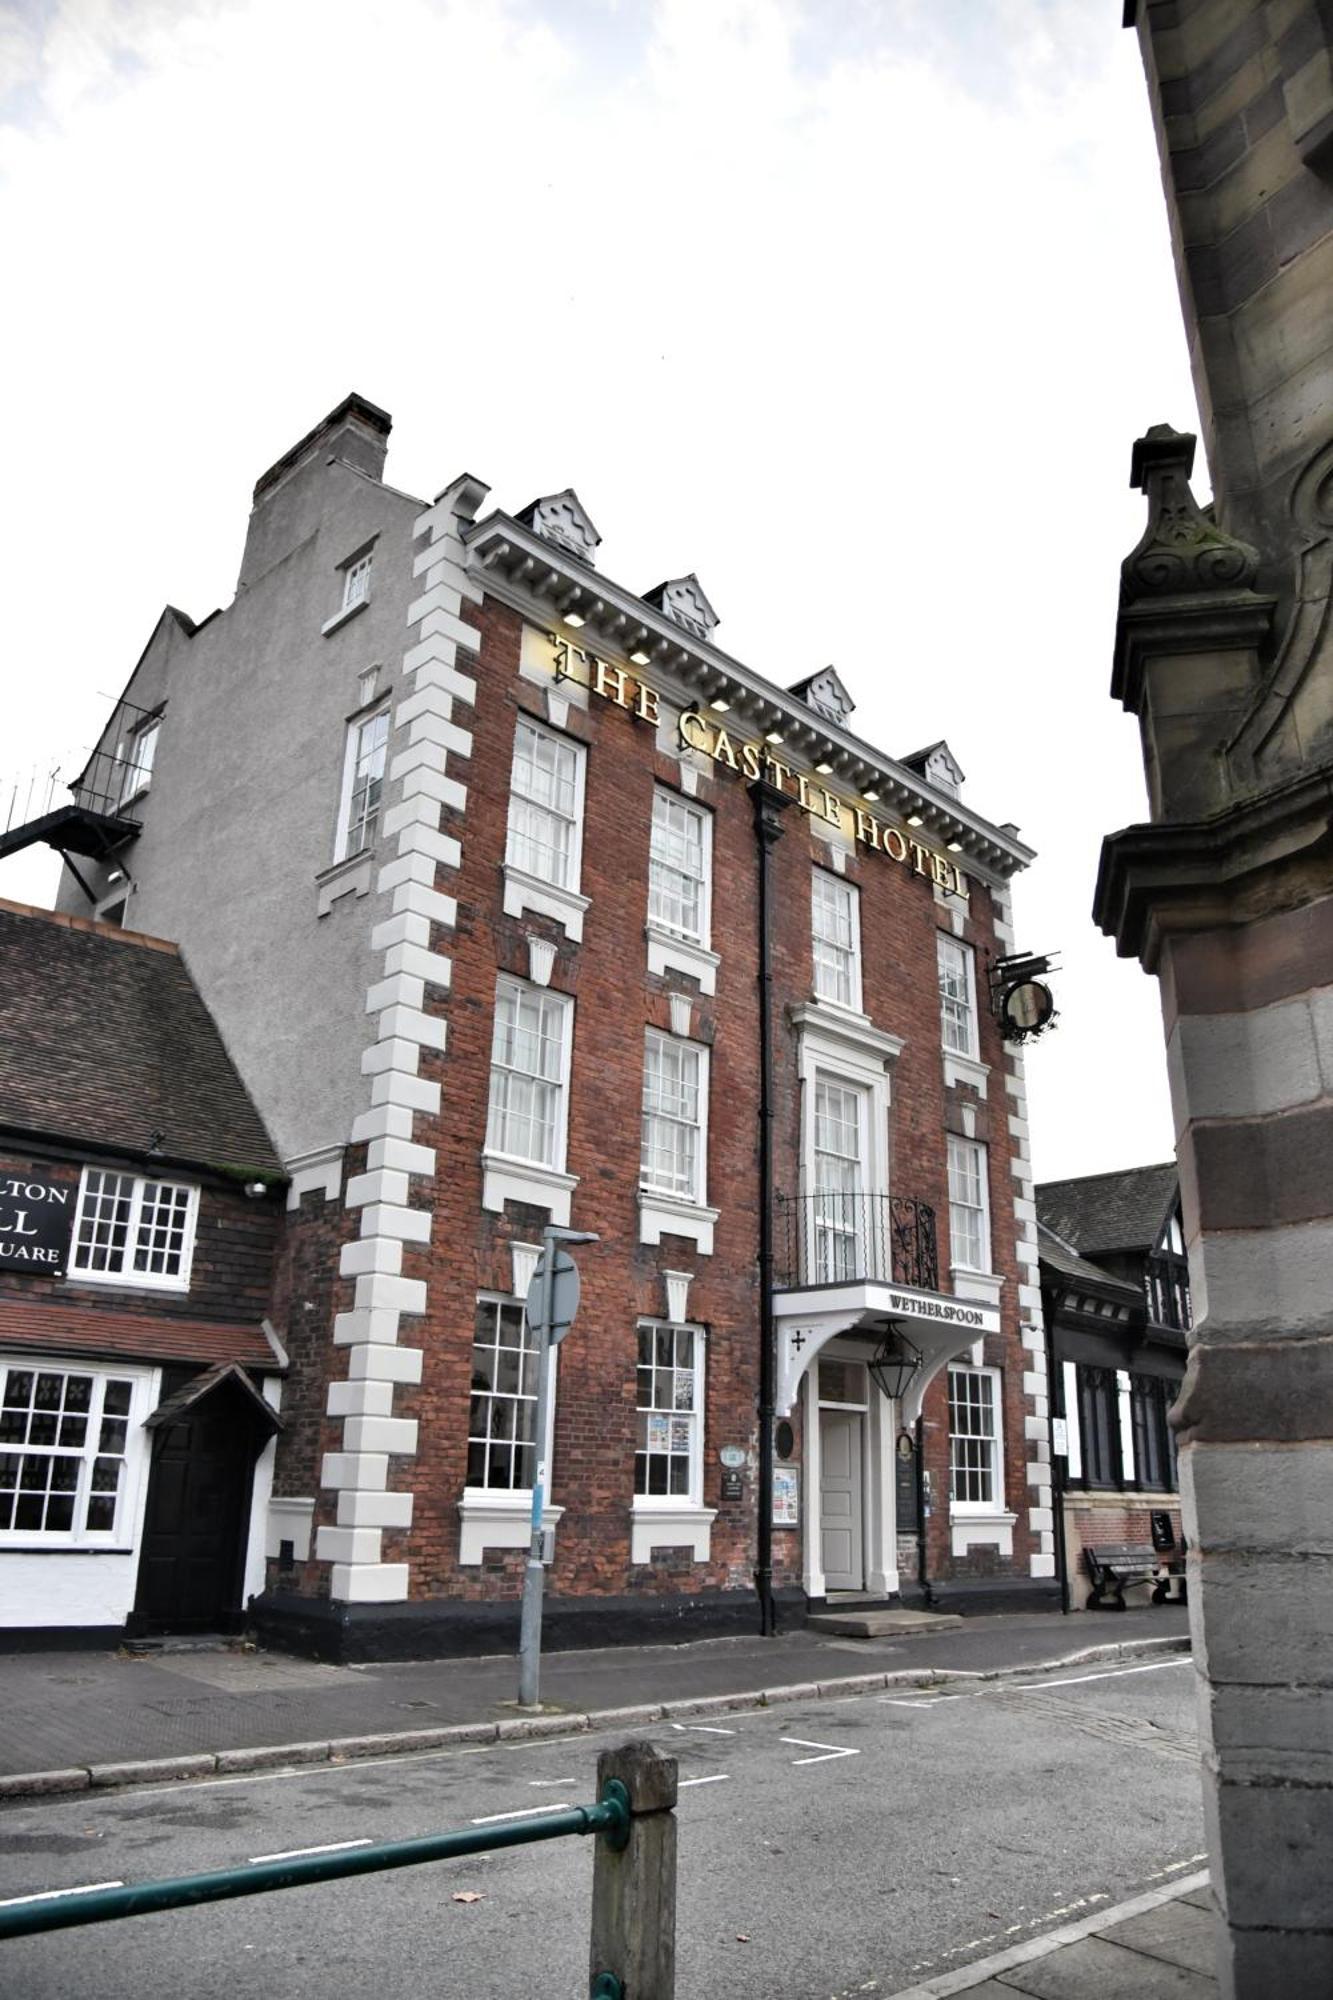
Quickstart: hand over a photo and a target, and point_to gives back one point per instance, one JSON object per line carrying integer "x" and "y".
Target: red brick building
{"x": 556, "y": 912}
{"x": 140, "y": 1208}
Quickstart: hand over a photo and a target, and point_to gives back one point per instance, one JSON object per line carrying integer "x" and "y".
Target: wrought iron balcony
{"x": 847, "y": 1239}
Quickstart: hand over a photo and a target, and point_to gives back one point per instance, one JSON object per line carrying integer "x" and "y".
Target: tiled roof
{"x": 105, "y": 1038}
{"x": 56, "y": 1327}
{"x": 1101, "y": 1212}
{"x": 1056, "y": 1253}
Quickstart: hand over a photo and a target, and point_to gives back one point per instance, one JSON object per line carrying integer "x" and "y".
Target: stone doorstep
{"x": 882, "y": 1624}
{"x": 406, "y": 1742}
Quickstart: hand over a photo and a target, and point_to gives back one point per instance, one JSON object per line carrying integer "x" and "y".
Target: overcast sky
{"x": 854, "y": 307}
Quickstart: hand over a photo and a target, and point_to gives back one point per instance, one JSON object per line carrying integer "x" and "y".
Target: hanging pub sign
{"x": 35, "y": 1220}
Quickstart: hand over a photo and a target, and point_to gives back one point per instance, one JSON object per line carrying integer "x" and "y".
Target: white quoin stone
{"x": 368, "y": 1583}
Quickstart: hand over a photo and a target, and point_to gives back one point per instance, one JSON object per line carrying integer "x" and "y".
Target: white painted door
{"x": 840, "y": 1500}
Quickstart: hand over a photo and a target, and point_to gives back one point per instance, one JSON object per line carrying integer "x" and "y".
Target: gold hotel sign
{"x": 752, "y": 760}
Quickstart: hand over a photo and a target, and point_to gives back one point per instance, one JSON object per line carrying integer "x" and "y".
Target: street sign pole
{"x": 556, "y": 1286}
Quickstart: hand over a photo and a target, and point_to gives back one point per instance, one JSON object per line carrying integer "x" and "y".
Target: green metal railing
{"x": 610, "y": 1817}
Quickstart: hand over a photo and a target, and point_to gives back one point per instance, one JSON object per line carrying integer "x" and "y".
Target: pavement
{"x": 74, "y": 1720}
{"x": 1158, "y": 1946}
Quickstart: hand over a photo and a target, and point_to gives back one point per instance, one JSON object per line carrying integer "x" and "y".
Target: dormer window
{"x": 826, "y": 695}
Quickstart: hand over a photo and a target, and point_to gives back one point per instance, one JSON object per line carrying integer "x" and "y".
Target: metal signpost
{"x": 552, "y": 1301}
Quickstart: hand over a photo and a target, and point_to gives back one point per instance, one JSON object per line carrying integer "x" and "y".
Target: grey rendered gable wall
{"x": 241, "y": 816}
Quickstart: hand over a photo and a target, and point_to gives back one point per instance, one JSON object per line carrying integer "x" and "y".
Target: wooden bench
{"x": 1114, "y": 1565}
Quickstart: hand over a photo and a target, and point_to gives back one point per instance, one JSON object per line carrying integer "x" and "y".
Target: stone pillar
{"x": 1224, "y": 653}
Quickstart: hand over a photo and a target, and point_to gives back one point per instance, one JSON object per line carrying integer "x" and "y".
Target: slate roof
{"x": 104, "y": 1038}
{"x": 48, "y": 1326}
{"x": 1056, "y": 1253}
{"x": 1102, "y": 1212}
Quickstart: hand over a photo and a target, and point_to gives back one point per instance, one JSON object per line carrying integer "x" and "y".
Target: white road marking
{"x": 49, "y": 1895}
{"x": 831, "y": 1750}
{"x": 932, "y": 1702}
{"x": 706, "y": 1728}
{"x": 294, "y": 1853}
{"x": 539, "y": 1784}
{"x": 1108, "y": 1674}
{"x": 718, "y": 1778}
{"x": 521, "y": 1812}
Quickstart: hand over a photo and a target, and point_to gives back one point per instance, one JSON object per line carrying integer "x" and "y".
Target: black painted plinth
{"x": 454, "y": 1628}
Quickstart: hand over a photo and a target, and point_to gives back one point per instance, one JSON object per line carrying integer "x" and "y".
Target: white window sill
{"x": 983, "y": 1286}
{"x": 503, "y": 1180}
{"x": 136, "y": 1281}
{"x": 965, "y": 1069}
{"x": 971, "y": 1526}
{"x": 667, "y": 952}
{"x": 667, "y": 1214}
{"x": 525, "y": 892}
{"x": 853, "y": 1017}
{"x": 497, "y": 1521}
{"x": 350, "y": 876}
{"x": 663, "y": 1524}
{"x": 132, "y": 798}
{"x": 341, "y": 617}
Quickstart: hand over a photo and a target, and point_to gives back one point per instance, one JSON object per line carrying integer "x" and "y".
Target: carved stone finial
{"x": 1182, "y": 552}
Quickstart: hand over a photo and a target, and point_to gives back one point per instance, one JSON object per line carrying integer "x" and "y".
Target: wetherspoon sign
{"x": 35, "y": 1218}
{"x": 753, "y": 760}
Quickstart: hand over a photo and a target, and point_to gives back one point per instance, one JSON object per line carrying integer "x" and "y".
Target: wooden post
{"x": 634, "y": 1890}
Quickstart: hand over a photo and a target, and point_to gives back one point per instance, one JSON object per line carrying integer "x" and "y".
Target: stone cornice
{"x": 539, "y": 580}
{"x": 1262, "y": 853}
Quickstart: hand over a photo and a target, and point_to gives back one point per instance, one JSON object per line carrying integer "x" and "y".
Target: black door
{"x": 190, "y": 1563}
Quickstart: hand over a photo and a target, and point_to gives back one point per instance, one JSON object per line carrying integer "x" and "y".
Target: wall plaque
{"x": 36, "y": 1217}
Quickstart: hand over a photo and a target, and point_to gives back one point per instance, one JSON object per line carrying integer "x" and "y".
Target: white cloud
{"x": 854, "y": 309}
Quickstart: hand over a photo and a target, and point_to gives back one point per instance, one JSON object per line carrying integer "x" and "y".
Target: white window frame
{"x": 693, "y": 1496}
{"x": 358, "y": 724}
{"x": 524, "y": 890}
{"x": 497, "y": 1303}
{"x": 517, "y": 1177}
{"x": 666, "y": 1210}
{"x": 978, "y": 1165}
{"x": 356, "y": 580}
{"x": 839, "y": 1249}
{"x": 674, "y": 1520}
{"x": 155, "y": 1281}
{"x": 655, "y": 1041}
{"x": 829, "y": 970}
{"x": 665, "y": 802}
{"x": 140, "y": 751}
{"x": 995, "y": 1505}
{"x": 497, "y": 1517}
{"x": 528, "y": 728}
{"x": 954, "y": 958}
{"x": 120, "y": 1536}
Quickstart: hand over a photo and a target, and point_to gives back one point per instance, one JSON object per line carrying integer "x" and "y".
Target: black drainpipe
{"x": 768, "y": 805}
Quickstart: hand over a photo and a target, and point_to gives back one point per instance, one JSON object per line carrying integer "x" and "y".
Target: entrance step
{"x": 894, "y": 1623}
